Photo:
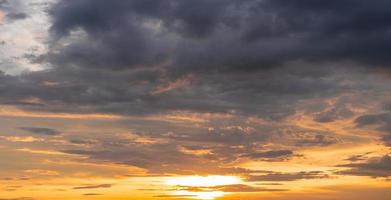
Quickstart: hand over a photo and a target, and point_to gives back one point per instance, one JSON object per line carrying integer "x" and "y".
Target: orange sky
{"x": 36, "y": 164}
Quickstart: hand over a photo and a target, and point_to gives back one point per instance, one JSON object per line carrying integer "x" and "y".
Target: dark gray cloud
{"x": 374, "y": 167}
{"x": 335, "y": 113}
{"x": 382, "y": 123}
{"x": 220, "y": 35}
{"x": 373, "y": 119}
{"x": 317, "y": 140}
{"x": 112, "y": 56}
{"x": 132, "y": 92}
{"x": 41, "y": 131}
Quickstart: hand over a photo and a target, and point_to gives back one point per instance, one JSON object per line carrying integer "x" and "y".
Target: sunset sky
{"x": 195, "y": 99}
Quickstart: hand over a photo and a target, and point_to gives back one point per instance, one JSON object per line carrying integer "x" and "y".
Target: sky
{"x": 195, "y": 99}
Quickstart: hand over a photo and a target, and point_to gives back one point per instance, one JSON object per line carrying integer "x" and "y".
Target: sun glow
{"x": 206, "y": 183}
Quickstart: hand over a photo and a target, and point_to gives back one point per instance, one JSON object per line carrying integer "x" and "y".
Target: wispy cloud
{"x": 93, "y": 186}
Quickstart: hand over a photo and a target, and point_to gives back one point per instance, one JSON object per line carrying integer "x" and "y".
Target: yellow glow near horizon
{"x": 203, "y": 181}
{"x": 200, "y": 195}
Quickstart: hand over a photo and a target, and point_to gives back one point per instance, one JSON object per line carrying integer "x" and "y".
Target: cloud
{"x": 239, "y": 60}
{"x": 374, "y": 167}
{"x": 4, "y": 4}
{"x": 130, "y": 93}
{"x": 274, "y": 154}
{"x": 335, "y": 113}
{"x": 387, "y": 139}
{"x": 250, "y": 59}
{"x": 41, "y": 131}
{"x": 92, "y": 194}
{"x": 373, "y": 119}
{"x": 230, "y": 34}
{"x": 177, "y": 155}
{"x": 16, "y": 16}
{"x": 317, "y": 140}
{"x": 382, "y": 123}
{"x": 359, "y": 157}
{"x": 225, "y": 135}
{"x": 229, "y": 188}
{"x": 93, "y": 186}
{"x": 171, "y": 160}
{"x": 245, "y": 57}
{"x": 12, "y": 11}
{"x": 275, "y": 176}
